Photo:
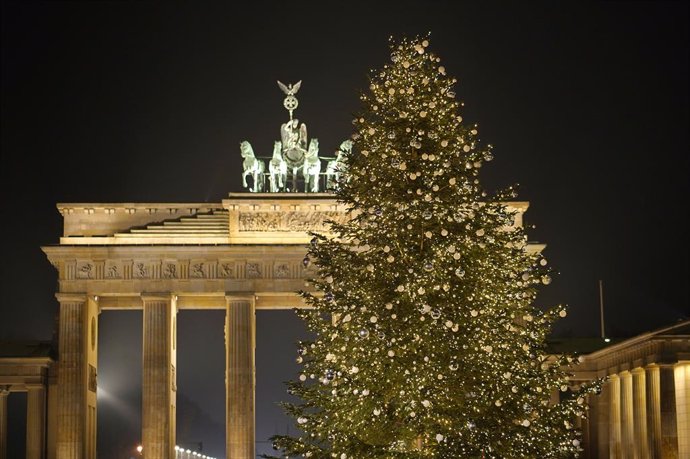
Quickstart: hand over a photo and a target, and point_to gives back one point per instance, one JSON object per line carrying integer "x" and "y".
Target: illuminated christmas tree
{"x": 427, "y": 343}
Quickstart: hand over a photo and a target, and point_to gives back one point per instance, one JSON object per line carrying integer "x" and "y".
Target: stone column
{"x": 76, "y": 417}
{"x": 627, "y": 423}
{"x": 240, "y": 324}
{"x": 158, "y": 393}
{"x": 601, "y": 417}
{"x": 682, "y": 383}
{"x": 4, "y": 393}
{"x": 669, "y": 432}
{"x": 653, "y": 410}
{"x": 35, "y": 421}
{"x": 615, "y": 449}
{"x": 640, "y": 414}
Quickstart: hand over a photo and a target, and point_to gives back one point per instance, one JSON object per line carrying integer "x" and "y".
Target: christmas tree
{"x": 427, "y": 342}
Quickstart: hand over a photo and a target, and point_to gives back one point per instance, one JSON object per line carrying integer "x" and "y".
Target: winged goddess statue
{"x": 290, "y": 102}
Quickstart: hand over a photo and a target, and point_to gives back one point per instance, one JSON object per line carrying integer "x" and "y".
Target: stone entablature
{"x": 650, "y": 348}
{"x": 271, "y": 273}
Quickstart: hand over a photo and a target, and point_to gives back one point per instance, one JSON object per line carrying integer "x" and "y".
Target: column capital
{"x": 240, "y": 296}
{"x": 158, "y": 296}
{"x": 34, "y": 386}
{"x": 71, "y": 297}
{"x": 4, "y": 391}
{"x": 637, "y": 370}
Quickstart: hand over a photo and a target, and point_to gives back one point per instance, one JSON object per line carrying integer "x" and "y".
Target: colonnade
{"x": 76, "y": 438}
{"x": 644, "y": 413}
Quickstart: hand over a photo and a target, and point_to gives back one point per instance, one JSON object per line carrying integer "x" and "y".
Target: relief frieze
{"x": 169, "y": 270}
{"x": 85, "y": 270}
{"x": 197, "y": 270}
{"x": 288, "y": 221}
{"x": 253, "y": 271}
{"x": 113, "y": 271}
{"x": 141, "y": 271}
{"x": 281, "y": 271}
{"x": 226, "y": 269}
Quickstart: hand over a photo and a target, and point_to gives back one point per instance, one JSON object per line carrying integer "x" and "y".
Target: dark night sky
{"x": 586, "y": 103}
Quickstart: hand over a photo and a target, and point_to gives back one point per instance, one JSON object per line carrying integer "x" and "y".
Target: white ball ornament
{"x": 302, "y": 378}
{"x": 301, "y": 420}
{"x": 576, "y": 442}
{"x": 563, "y": 313}
{"x": 439, "y": 438}
{"x": 526, "y": 423}
{"x": 373, "y": 319}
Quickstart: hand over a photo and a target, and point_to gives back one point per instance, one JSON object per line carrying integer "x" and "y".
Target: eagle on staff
{"x": 290, "y": 102}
